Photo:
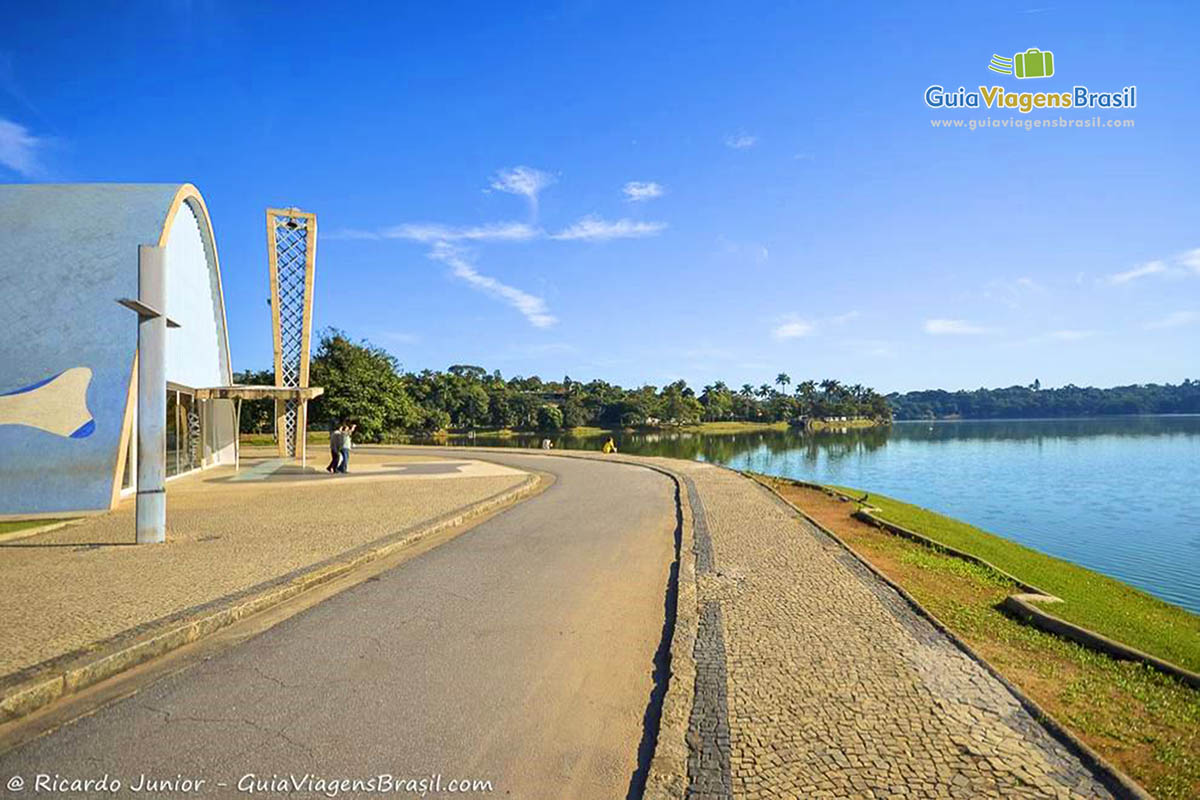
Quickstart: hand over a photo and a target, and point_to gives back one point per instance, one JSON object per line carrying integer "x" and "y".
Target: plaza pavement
{"x": 227, "y": 531}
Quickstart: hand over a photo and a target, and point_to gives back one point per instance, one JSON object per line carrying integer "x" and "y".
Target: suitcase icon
{"x": 1034, "y": 63}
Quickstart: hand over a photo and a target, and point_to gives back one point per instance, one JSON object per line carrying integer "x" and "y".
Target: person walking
{"x": 335, "y": 447}
{"x": 347, "y": 445}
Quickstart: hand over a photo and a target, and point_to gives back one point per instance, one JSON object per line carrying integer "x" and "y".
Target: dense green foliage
{"x": 363, "y": 383}
{"x": 1034, "y": 402}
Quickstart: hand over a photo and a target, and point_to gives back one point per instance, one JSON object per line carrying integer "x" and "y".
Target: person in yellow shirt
{"x": 610, "y": 446}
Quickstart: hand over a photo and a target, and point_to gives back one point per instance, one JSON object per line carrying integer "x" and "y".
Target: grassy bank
{"x": 1095, "y": 601}
{"x": 821, "y": 425}
{"x": 1141, "y": 720}
{"x": 735, "y": 427}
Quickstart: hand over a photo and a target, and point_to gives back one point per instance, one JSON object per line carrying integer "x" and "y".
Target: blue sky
{"x": 695, "y": 190}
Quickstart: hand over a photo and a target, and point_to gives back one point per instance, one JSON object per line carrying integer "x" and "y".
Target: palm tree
{"x": 782, "y": 379}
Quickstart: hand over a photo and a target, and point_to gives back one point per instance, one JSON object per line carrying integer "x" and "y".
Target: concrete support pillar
{"x": 152, "y": 398}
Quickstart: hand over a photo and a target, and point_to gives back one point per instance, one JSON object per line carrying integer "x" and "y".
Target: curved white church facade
{"x": 68, "y": 346}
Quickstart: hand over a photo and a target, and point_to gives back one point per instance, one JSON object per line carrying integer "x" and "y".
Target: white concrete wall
{"x": 195, "y": 352}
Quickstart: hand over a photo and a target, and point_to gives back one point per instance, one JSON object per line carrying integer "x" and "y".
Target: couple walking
{"x": 341, "y": 442}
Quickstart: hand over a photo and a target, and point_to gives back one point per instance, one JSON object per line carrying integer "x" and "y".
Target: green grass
{"x": 266, "y": 439}
{"x": 735, "y": 427}
{"x": 1095, "y": 601}
{"x": 24, "y": 524}
{"x": 822, "y": 425}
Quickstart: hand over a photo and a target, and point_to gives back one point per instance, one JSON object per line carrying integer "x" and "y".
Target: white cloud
{"x": 637, "y": 191}
{"x": 532, "y": 307}
{"x": 524, "y": 181}
{"x": 953, "y": 327}
{"x": 842, "y": 319}
{"x": 740, "y": 141}
{"x": 594, "y": 229}
{"x": 1149, "y": 268}
{"x": 1190, "y": 259}
{"x": 1176, "y": 319}
{"x": 19, "y": 149}
{"x": 489, "y": 232}
{"x": 793, "y": 327}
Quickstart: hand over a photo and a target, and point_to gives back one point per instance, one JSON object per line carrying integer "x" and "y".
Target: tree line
{"x": 365, "y": 383}
{"x": 1033, "y": 401}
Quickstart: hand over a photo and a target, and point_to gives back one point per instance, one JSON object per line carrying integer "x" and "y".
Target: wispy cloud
{"x": 638, "y": 191}
{"x": 20, "y": 150}
{"x": 1190, "y": 260}
{"x": 1178, "y": 266}
{"x": 842, "y": 319}
{"x": 740, "y": 140}
{"x": 1141, "y": 271}
{"x": 1176, "y": 319}
{"x": 533, "y": 308}
{"x": 488, "y": 232}
{"x": 524, "y": 181}
{"x": 793, "y": 327}
{"x": 595, "y": 229}
{"x": 953, "y": 327}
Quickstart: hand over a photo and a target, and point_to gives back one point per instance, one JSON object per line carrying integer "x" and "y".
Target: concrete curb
{"x": 1021, "y": 605}
{"x": 668, "y": 774}
{"x": 34, "y": 687}
{"x": 1117, "y": 781}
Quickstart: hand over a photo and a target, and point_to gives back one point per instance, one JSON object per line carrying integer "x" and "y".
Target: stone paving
{"x": 80, "y": 584}
{"x": 835, "y": 686}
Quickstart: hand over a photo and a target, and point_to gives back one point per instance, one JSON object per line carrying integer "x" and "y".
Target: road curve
{"x": 520, "y": 652}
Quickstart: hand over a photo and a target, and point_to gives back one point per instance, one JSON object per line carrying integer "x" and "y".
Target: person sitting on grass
{"x": 610, "y": 446}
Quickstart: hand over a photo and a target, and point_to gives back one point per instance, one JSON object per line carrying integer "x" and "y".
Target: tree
{"x": 258, "y": 416}
{"x": 550, "y": 418}
{"x": 783, "y": 380}
{"x": 361, "y": 385}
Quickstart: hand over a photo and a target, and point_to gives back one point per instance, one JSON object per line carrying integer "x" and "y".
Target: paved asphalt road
{"x": 520, "y": 652}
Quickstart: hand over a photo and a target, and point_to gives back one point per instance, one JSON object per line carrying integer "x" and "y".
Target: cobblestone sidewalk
{"x": 815, "y": 679}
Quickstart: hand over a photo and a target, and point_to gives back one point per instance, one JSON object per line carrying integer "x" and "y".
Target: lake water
{"x": 1120, "y": 495}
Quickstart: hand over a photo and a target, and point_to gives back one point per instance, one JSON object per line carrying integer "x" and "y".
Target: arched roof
{"x": 68, "y": 252}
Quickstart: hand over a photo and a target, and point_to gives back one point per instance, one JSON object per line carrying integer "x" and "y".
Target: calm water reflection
{"x": 1120, "y": 495}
